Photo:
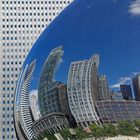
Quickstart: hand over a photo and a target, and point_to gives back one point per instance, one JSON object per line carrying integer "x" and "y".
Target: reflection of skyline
{"x": 115, "y": 45}
{"x": 83, "y": 78}
{"x": 114, "y": 41}
{"x": 115, "y": 87}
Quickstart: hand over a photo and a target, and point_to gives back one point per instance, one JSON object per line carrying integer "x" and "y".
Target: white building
{"x": 25, "y": 118}
{"x": 21, "y": 22}
{"x": 103, "y": 89}
{"x": 82, "y": 90}
{"x": 34, "y": 104}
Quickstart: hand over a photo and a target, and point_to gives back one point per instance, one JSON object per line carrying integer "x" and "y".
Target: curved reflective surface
{"x": 88, "y": 39}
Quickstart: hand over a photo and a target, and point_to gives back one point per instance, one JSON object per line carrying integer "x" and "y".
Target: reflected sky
{"x": 109, "y": 28}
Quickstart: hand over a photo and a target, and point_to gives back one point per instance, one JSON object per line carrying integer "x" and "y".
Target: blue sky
{"x": 110, "y": 28}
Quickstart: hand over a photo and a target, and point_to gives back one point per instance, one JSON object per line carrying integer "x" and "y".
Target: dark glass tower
{"x": 47, "y": 93}
{"x": 136, "y": 86}
{"x": 126, "y": 92}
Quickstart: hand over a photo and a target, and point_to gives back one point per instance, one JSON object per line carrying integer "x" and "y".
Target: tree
{"x": 66, "y": 133}
{"x": 97, "y": 131}
{"x": 110, "y": 130}
{"x": 137, "y": 124}
{"x": 127, "y": 128}
{"x": 80, "y": 134}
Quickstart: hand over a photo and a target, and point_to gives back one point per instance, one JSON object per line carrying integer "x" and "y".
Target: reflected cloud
{"x": 135, "y": 8}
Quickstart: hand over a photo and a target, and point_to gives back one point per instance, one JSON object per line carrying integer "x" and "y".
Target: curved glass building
{"x": 63, "y": 83}
{"x": 47, "y": 84}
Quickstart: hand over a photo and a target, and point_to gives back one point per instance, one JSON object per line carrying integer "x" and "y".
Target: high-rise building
{"x": 52, "y": 96}
{"x": 33, "y": 99}
{"x": 126, "y": 92}
{"x": 103, "y": 89}
{"x": 82, "y": 90}
{"x": 47, "y": 92}
{"x": 136, "y": 86}
{"x": 63, "y": 99}
{"x": 23, "y": 115}
{"x": 21, "y": 22}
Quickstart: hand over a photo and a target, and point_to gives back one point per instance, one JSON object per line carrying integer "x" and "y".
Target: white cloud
{"x": 135, "y": 73}
{"x": 134, "y": 8}
{"x": 124, "y": 80}
{"x": 33, "y": 92}
{"x": 121, "y": 81}
{"x": 115, "y": 85}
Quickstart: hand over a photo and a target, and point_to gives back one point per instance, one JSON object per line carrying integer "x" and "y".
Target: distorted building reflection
{"x": 83, "y": 91}
{"x": 24, "y": 117}
{"x": 52, "y": 98}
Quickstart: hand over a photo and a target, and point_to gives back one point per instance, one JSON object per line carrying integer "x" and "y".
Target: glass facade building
{"x": 126, "y": 92}
{"x": 136, "y": 86}
{"x": 116, "y": 111}
{"x": 47, "y": 93}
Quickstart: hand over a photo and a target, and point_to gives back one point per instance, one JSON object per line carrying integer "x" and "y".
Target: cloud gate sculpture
{"x": 70, "y": 73}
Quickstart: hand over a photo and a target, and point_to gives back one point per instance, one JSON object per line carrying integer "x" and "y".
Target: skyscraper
{"x": 82, "y": 90}
{"x": 33, "y": 98}
{"x": 23, "y": 115}
{"x": 136, "y": 86}
{"x": 21, "y": 22}
{"x": 103, "y": 89}
{"x": 47, "y": 92}
{"x": 126, "y": 92}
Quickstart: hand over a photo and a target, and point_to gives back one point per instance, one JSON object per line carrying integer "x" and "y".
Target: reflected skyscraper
{"x": 103, "y": 88}
{"x": 52, "y": 97}
{"x": 34, "y": 104}
{"x": 82, "y": 90}
{"x": 126, "y": 92}
{"x": 47, "y": 94}
{"x": 136, "y": 86}
{"x": 24, "y": 116}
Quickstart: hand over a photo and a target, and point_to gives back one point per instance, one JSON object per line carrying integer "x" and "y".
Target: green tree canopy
{"x": 66, "y": 133}
{"x": 137, "y": 124}
{"x": 127, "y": 128}
{"x": 96, "y": 130}
{"x": 80, "y": 133}
{"x": 110, "y": 130}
